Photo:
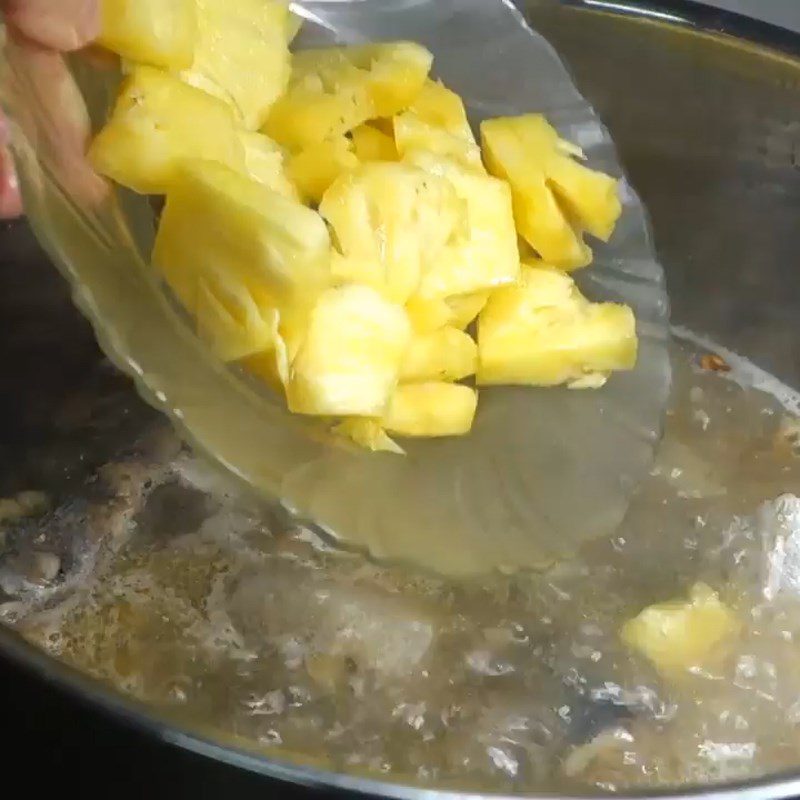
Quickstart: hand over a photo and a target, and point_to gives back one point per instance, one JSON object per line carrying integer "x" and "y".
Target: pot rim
{"x": 137, "y": 715}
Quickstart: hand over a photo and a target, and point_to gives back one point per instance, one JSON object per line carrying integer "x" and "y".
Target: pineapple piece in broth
{"x": 679, "y": 635}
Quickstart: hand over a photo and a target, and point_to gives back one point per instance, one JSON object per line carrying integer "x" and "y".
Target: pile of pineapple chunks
{"x": 333, "y": 226}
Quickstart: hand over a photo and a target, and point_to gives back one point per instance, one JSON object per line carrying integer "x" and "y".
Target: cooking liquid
{"x": 186, "y": 596}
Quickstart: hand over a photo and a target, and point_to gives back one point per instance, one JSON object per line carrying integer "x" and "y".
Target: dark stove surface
{"x": 71, "y": 748}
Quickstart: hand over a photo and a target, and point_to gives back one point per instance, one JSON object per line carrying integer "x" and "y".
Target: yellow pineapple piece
{"x": 556, "y": 199}
{"x": 391, "y": 222}
{"x": 411, "y": 133}
{"x": 371, "y": 144}
{"x": 314, "y": 169}
{"x": 439, "y": 106}
{"x": 431, "y": 410}
{"x": 230, "y": 321}
{"x": 218, "y": 220}
{"x": 369, "y": 434}
{"x": 154, "y": 128}
{"x": 466, "y": 307}
{"x": 161, "y": 33}
{"x": 264, "y": 160}
{"x": 488, "y": 257}
{"x": 683, "y": 634}
{"x": 334, "y": 90}
{"x": 543, "y": 332}
{"x": 349, "y": 361}
{"x": 429, "y": 314}
{"x": 242, "y": 49}
{"x": 444, "y": 355}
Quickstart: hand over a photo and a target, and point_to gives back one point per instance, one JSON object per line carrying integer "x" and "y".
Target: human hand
{"x": 54, "y": 25}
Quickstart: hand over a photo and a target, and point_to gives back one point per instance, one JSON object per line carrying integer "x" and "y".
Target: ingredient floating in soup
{"x": 333, "y": 226}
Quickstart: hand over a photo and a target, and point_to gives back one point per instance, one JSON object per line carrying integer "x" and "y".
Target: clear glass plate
{"x": 542, "y": 471}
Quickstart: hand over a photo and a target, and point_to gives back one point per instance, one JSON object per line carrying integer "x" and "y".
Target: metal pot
{"x": 705, "y": 110}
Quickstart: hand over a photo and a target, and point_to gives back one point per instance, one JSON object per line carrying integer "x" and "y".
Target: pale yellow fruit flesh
{"x": 334, "y": 90}
{"x": 543, "y": 332}
{"x": 431, "y": 410}
{"x": 349, "y": 361}
{"x": 488, "y": 256}
{"x": 242, "y": 49}
{"x": 555, "y": 198}
{"x": 371, "y": 144}
{"x": 369, "y": 434}
{"x": 439, "y": 106}
{"x": 153, "y": 130}
{"x": 230, "y": 321}
{"x": 683, "y": 634}
{"x": 314, "y": 169}
{"x": 393, "y": 221}
{"x": 411, "y": 134}
{"x": 444, "y": 355}
{"x": 161, "y": 33}
{"x": 466, "y": 307}
{"x": 265, "y": 163}
{"x": 271, "y": 245}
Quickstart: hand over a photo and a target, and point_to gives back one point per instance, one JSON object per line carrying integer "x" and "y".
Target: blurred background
{"x": 779, "y": 12}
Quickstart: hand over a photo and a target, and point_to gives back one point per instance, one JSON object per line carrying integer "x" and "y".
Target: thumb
{"x": 60, "y": 24}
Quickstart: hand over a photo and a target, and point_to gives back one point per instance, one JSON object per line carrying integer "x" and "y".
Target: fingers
{"x": 50, "y": 111}
{"x": 60, "y": 24}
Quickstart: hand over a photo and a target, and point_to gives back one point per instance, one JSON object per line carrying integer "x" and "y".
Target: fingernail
{"x": 10, "y": 199}
{"x": 60, "y": 24}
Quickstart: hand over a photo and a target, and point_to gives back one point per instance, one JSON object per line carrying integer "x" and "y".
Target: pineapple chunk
{"x": 466, "y": 307}
{"x": 489, "y": 256}
{"x": 334, "y": 90}
{"x": 349, "y": 362}
{"x": 428, "y": 315}
{"x": 681, "y": 635}
{"x": 543, "y": 332}
{"x": 314, "y": 169}
{"x": 442, "y": 108}
{"x": 444, "y": 355}
{"x": 242, "y": 49}
{"x": 555, "y": 198}
{"x": 368, "y": 433}
{"x": 230, "y": 321}
{"x": 154, "y": 128}
{"x": 216, "y": 219}
{"x": 431, "y": 410}
{"x": 411, "y": 133}
{"x": 391, "y": 222}
{"x": 264, "y": 160}
{"x": 370, "y": 144}
{"x": 157, "y": 32}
